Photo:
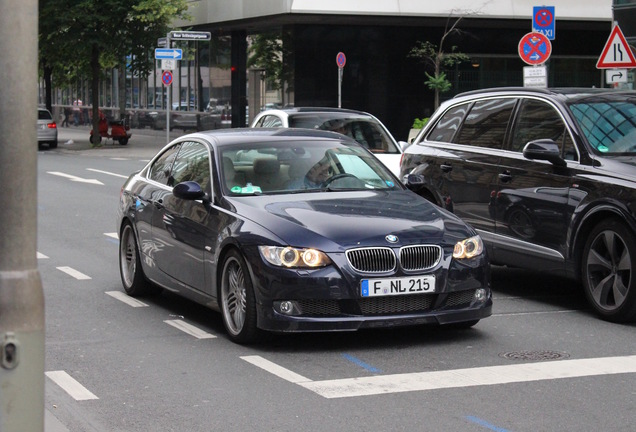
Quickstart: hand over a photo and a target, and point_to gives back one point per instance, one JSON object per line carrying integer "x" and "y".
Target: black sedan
{"x": 290, "y": 230}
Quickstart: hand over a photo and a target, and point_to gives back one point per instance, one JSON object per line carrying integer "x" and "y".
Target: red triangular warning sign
{"x": 617, "y": 52}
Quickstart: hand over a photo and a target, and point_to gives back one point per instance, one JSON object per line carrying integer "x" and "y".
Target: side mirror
{"x": 188, "y": 190}
{"x": 544, "y": 149}
{"x": 414, "y": 181}
{"x": 403, "y": 144}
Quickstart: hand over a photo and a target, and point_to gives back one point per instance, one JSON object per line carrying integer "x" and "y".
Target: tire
{"x": 53, "y": 144}
{"x": 132, "y": 276}
{"x": 123, "y": 141}
{"x": 238, "y": 304}
{"x": 608, "y": 274}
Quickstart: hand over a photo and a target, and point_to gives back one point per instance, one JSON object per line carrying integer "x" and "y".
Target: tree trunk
{"x": 48, "y": 72}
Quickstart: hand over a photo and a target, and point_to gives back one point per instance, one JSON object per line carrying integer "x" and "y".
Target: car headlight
{"x": 294, "y": 257}
{"x": 468, "y": 248}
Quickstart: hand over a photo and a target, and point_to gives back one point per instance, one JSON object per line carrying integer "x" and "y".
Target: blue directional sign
{"x": 543, "y": 21}
{"x": 168, "y": 53}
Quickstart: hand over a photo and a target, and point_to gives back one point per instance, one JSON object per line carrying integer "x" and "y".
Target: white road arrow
{"x": 76, "y": 179}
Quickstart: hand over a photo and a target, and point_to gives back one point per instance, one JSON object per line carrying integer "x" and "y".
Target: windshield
{"x": 364, "y": 129}
{"x": 301, "y": 166}
{"x": 609, "y": 125}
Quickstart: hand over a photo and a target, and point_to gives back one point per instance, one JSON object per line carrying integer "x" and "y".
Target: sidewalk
{"x": 144, "y": 141}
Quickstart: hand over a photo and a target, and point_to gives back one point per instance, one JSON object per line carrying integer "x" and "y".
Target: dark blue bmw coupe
{"x": 292, "y": 230}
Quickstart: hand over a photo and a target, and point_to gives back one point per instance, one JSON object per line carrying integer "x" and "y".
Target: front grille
{"x": 460, "y": 298}
{"x": 371, "y": 260}
{"x": 319, "y": 307}
{"x": 420, "y": 257}
{"x": 395, "y": 304}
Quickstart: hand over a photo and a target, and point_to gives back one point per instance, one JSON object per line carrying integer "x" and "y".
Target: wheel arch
{"x": 592, "y": 218}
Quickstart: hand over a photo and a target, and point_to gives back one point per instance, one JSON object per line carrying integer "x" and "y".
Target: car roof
{"x": 554, "y": 92}
{"x": 327, "y": 110}
{"x": 263, "y": 135}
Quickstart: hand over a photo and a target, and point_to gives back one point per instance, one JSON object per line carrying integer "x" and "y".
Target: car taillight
{"x": 51, "y": 125}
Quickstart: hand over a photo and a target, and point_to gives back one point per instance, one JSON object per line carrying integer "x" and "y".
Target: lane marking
{"x": 361, "y": 363}
{"x": 275, "y": 369}
{"x": 74, "y": 273}
{"x": 75, "y": 178}
{"x": 107, "y": 172}
{"x": 41, "y": 256}
{"x": 485, "y": 424}
{"x": 457, "y": 378}
{"x": 190, "y": 329}
{"x": 125, "y": 298}
{"x": 70, "y": 385}
{"x": 113, "y": 235}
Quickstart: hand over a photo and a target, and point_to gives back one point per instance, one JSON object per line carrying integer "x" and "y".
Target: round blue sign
{"x": 341, "y": 59}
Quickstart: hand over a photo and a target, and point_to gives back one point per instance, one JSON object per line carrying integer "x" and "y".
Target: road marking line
{"x": 123, "y": 297}
{"x": 70, "y": 385}
{"x": 72, "y": 272}
{"x": 107, "y": 172}
{"x": 75, "y": 178}
{"x": 41, "y": 256}
{"x": 457, "y": 378}
{"x": 113, "y": 235}
{"x": 275, "y": 369}
{"x": 190, "y": 329}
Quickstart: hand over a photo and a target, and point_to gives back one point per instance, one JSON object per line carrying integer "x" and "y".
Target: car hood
{"x": 622, "y": 167}
{"x": 334, "y": 221}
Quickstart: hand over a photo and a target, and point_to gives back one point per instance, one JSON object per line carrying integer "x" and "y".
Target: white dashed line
{"x": 107, "y": 173}
{"x": 457, "y": 378}
{"x": 41, "y": 256}
{"x": 112, "y": 235}
{"x": 70, "y": 385}
{"x": 123, "y": 297}
{"x": 190, "y": 329}
{"x": 74, "y": 273}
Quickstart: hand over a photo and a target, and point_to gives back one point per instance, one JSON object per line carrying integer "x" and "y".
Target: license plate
{"x": 397, "y": 286}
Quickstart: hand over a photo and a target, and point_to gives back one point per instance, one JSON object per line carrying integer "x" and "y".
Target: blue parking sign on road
{"x": 543, "y": 21}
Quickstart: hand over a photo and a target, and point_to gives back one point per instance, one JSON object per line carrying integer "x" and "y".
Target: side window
{"x": 160, "y": 170}
{"x": 192, "y": 164}
{"x": 272, "y": 121}
{"x": 487, "y": 123}
{"x": 538, "y": 120}
{"x": 447, "y": 126}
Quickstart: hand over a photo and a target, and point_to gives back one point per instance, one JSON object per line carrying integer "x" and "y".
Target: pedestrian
{"x": 67, "y": 114}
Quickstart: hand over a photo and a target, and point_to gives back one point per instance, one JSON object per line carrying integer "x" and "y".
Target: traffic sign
{"x": 190, "y": 35}
{"x": 614, "y": 76}
{"x": 168, "y": 64}
{"x": 341, "y": 59}
{"x": 535, "y": 48}
{"x": 166, "y": 78}
{"x": 535, "y": 76}
{"x": 617, "y": 53}
{"x": 168, "y": 53}
{"x": 543, "y": 21}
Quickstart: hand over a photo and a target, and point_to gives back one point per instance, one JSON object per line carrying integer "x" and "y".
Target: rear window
{"x": 44, "y": 115}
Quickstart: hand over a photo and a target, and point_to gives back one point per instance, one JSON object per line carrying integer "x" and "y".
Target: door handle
{"x": 158, "y": 203}
{"x": 505, "y": 177}
{"x": 446, "y": 168}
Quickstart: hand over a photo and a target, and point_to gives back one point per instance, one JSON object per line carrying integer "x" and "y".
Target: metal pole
{"x": 167, "y": 97}
{"x": 339, "y": 87}
{"x": 21, "y": 295}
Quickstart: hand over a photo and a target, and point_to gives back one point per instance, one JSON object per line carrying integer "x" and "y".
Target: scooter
{"x": 119, "y": 130}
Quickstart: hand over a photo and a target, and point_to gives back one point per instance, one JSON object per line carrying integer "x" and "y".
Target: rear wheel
{"x": 123, "y": 141}
{"x": 132, "y": 276}
{"x": 608, "y": 271}
{"x": 238, "y": 304}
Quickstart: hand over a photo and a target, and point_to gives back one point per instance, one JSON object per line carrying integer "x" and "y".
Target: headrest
{"x": 266, "y": 166}
{"x": 298, "y": 169}
{"x": 228, "y": 168}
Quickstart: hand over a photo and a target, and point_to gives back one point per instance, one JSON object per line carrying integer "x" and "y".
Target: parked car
{"x": 361, "y": 126}
{"x": 214, "y": 217}
{"x": 547, "y": 177}
{"x": 152, "y": 119}
{"x": 46, "y": 128}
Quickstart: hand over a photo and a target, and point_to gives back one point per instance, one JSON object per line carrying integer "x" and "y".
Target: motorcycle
{"x": 117, "y": 130}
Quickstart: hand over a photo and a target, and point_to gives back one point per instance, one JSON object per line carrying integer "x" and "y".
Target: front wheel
{"x": 238, "y": 304}
{"x": 608, "y": 271}
{"x": 123, "y": 141}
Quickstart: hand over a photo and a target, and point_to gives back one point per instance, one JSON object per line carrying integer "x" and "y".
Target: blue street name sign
{"x": 543, "y": 21}
{"x": 168, "y": 53}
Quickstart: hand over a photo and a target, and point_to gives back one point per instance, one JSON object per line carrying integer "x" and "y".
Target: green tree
{"x": 436, "y": 59}
{"x": 83, "y": 37}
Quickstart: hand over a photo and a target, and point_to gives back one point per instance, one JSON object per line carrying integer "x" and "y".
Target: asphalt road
{"x": 542, "y": 362}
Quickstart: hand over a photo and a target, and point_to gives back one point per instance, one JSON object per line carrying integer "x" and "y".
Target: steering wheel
{"x": 337, "y": 177}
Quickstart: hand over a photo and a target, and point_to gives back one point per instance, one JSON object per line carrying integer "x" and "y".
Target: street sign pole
{"x": 168, "y": 91}
{"x": 341, "y": 60}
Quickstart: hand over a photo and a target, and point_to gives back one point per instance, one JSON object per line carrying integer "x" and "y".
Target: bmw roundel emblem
{"x": 391, "y": 238}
